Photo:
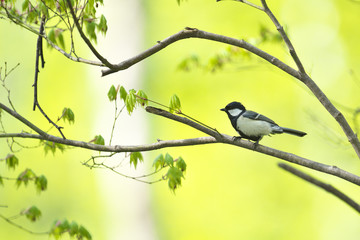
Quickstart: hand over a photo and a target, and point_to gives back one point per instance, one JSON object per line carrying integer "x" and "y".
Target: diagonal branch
{"x": 86, "y": 40}
{"x": 284, "y": 37}
{"x": 196, "y": 33}
{"x": 325, "y": 186}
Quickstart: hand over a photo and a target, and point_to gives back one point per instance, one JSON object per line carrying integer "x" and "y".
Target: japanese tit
{"x": 252, "y": 125}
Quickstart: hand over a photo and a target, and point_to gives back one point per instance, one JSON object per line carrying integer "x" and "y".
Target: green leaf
{"x": 1, "y": 181}
{"x": 112, "y": 93}
{"x": 130, "y": 101}
{"x": 102, "y": 26}
{"x": 99, "y": 140}
{"x": 25, "y": 5}
{"x": 174, "y": 176}
{"x": 84, "y": 233}
{"x": 179, "y": 1}
{"x": 123, "y": 93}
{"x": 136, "y": 157}
{"x": 51, "y": 146}
{"x": 68, "y": 114}
{"x": 175, "y": 104}
{"x": 90, "y": 29}
{"x": 11, "y": 161}
{"x": 142, "y": 98}
{"x": 32, "y": 213}
{"x": 59, "y": 228}
{"x": 25, "y": 177}
{"x": 56, "y": 229}
{"x": 51, "y": 35}
{"x": 189, "y": 63}
{"x": 180, "y": 164}
{"x": 41, "y": 183}
{"x": 169, "y": 161}
{"x": 73, "y": 229}
{"x": 60, "y": 37}
{"x": 159, "y": 162}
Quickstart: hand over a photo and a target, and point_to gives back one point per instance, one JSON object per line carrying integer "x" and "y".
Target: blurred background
{"x": 228, "y": 192}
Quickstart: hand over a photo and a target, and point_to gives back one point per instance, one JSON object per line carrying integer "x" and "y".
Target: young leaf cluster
{"x": 175, "y": 104}
{"x": 11, "y": 161}
{"x": 131, "y": 98}
{"x": 56, "y": 15}
{"x": 136, "y": 157}
{"x": 68, "y": 115}
{"x": 28, "y": 175}
{"x": 52, "y": 146}
{"x": 32, "y": 213}
{"x": 24, "y": 177}
{"x": 176, "y": 169}
{"x": 60, "y": 228}
{"x": 99, "y": 140}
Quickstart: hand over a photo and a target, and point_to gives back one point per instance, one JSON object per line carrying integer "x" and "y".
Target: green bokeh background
{"x": 228, "y": 192}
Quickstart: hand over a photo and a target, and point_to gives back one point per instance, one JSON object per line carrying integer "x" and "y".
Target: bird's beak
{"x": 223, "y": 109}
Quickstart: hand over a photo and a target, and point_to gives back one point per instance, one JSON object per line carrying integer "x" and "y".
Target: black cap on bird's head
{"x": 233, "y": 105}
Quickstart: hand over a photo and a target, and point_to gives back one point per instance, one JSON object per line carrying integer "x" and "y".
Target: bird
{"x": 252, "y": 125}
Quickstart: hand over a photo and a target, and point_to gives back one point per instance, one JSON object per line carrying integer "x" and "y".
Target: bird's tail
{"x": 293, "y": 132}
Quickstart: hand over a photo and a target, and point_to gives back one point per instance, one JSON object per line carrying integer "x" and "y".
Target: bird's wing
{"x": 257, "y": 116}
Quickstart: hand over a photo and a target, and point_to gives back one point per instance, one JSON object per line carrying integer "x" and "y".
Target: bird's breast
{"x": 252, "y": 127}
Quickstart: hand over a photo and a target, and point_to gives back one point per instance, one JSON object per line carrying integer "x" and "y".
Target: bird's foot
{"x": 236, "y": 138}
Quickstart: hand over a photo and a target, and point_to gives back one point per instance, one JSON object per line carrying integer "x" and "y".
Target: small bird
{"x": 252, "y": 125}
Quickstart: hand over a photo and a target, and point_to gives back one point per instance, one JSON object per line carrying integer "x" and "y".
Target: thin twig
{"x": 249, "y": 3}
{"x": 327, "y": 187}
{"x": 3, "y": 79}
{"x": 21, "y": 227}
{"x": 177, "y": 111}
{"x": 101, "y": 165}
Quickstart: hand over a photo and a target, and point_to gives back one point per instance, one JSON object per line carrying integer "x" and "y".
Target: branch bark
{"x": 196, "y": 33}
{"x": 327, "y": 187}
{"x": 215, "y": 137}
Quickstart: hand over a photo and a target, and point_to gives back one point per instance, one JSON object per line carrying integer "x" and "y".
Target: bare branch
{"x": 325, "y": 186}
{"x": 284, "y": 36}
{"x": 222, "y": 138}
{"x": 196, "y": 33}
{"x": 23, "y": 120}
{"x": 215, "y": 137}
{"x": 39, "y": 55}
{"x": 21, "y": 227}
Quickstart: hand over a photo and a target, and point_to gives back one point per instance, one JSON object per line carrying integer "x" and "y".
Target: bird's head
{"x": 234, "y": 109}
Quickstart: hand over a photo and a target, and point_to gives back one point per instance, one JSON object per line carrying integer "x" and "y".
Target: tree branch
{"x": 215, "y": 137}
{"x": 23, "y": 120}
{"x": 196, "y": 33}
{"x": 86, "y": 40}
{"x": 39, "y": 54}
{"x": 325, "y": 186}
{"x": 284, "y": 37}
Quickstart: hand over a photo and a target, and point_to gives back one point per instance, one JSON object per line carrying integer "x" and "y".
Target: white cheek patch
{"x": 235, "y": 112}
